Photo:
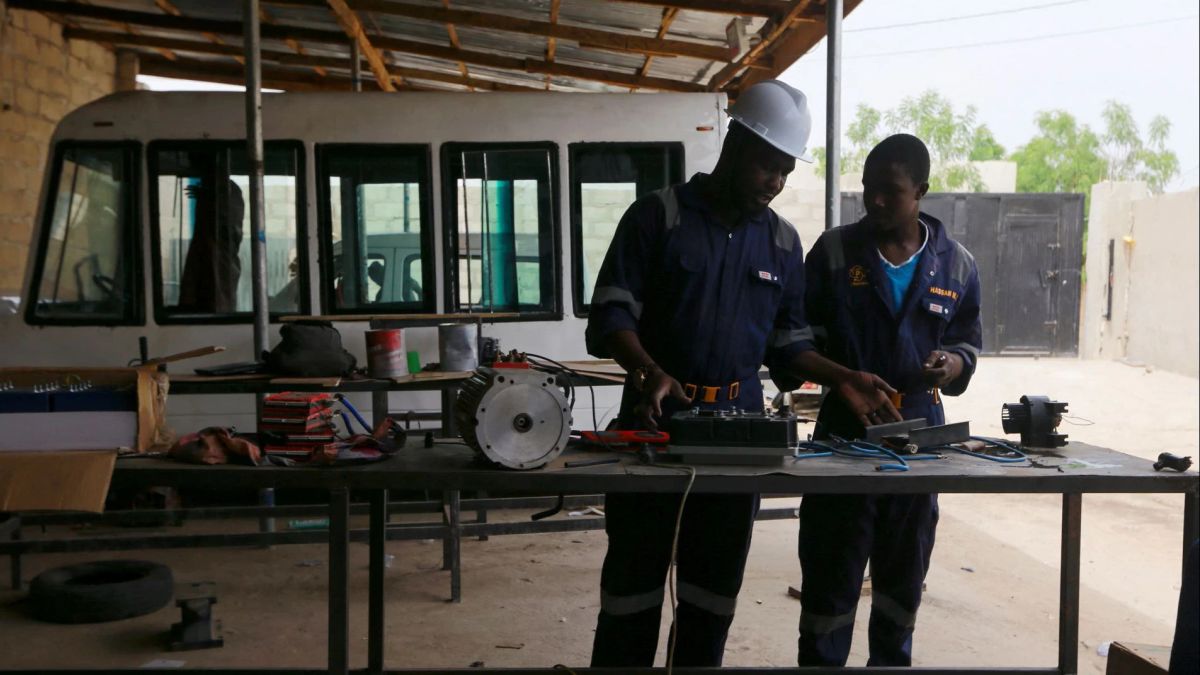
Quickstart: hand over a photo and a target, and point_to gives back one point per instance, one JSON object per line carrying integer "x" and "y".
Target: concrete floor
{"x": 531, "y": 600}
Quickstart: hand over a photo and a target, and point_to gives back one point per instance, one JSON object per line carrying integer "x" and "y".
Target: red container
{"x": 385, "y": 353}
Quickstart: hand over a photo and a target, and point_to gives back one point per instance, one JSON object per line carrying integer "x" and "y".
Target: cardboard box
{"x": 1127, "y": 658}
{"x": 45, "y": 477}
{"x": 56, "y": 481}
{"x": 149, "y": 385}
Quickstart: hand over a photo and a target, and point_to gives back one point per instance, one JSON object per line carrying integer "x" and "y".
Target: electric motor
{"x": 514, "y": 416}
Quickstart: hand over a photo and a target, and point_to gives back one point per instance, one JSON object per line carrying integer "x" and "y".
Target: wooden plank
{"x": 668, "y": 17}
{"x": 180, "y": 356}
{"x": 309, "y": 381}
{"x": 349, "y": 22}
{"x": 232, "y": 73}
{"x": 169, "y": 8}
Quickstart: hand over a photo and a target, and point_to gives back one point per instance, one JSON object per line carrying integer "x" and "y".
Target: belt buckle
{"x": 734, "y": 390}
{"x": 689, "y": 390}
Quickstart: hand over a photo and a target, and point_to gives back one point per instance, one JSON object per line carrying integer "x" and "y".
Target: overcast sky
{"x": 1154, "y": 68}
{"x": 1145, "y": 54}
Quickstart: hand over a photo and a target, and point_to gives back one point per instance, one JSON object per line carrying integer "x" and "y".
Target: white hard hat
{"x": 777, "y": 113}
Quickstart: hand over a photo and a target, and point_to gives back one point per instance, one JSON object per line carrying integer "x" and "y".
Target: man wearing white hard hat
{"x": 702, "y": 285}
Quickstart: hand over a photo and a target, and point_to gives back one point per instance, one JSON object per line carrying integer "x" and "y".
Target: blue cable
{"x": 353, "y": 411}
{"x": 1021, "y": 456}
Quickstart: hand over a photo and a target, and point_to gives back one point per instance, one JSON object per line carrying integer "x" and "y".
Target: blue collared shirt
{"x": 710, "y": 304}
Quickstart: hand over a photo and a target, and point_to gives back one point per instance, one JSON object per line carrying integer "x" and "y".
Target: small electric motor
{"x": 1036, "y": 418}
{"x": 514, "y": 416}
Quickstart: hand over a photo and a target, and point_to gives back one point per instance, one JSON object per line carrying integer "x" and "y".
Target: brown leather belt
{"x": 712, "y": 394}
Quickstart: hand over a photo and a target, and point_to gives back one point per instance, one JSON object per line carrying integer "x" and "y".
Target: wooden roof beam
{"x": 593, "y": 38}
{"x": 188, "y": 24}
{"x": 310, "y": 60}
{"x": 771, "y": 9}
{"x": 169, "y": 7}
{"x": 349, "y": 22}
{"x": 668, "y": 17}
{"x": 551, "y": 42}
{"x": 790, "y": 47}
{"x": 772, "y": 31}
{"x": 452, "y": 33}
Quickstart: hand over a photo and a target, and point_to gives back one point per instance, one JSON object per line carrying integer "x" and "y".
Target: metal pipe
{"x": 833, "y": 114}
{"x": 258, "y": 214}
{"x": 355, "y": 66}
{"x": 254, "y": 151}
{"x": 375, "y": 601}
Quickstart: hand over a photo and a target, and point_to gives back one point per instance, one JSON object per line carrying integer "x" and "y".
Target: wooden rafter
{"x": 350, "y": 23}
{"x": 668, "y": 17}
{"x": 169, "y": 7}
{"x": 771, "y": 32}
{"x": 788, "y": 48}
{"x": 452, "y": 34}
{"x": 272, "y": 56}
{"x": 765, "y": 8}
{"x": 551, "y": 42}
{"x": 594, "y": 38}
{"x": 189, "y": 24}
{"x": 265, "y": 17}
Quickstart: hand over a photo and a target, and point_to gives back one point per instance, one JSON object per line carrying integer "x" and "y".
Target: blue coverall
{"x": 710, "y": 305}
{"x": 849, "y": 305}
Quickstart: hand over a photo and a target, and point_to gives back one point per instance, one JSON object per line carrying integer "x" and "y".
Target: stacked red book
{"x": 296, "y": 423}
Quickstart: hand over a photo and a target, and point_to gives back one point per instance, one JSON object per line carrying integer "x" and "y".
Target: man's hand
{"x": 941, "y": 368}
{"x": 869, "y": 398}
{"x": 658, "y": 386}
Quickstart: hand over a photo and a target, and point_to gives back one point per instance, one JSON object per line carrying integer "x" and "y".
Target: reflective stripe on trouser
{"x": 713, "y": 542}
{"x": 838, "y": 533}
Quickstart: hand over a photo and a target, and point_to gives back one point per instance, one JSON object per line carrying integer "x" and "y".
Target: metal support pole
{"x": 833, "y": 114}
{"x": 258, "y": 240}
{"x": 339, "y": 582}
{"x": 355, "y": 66}
{"x": 1068, "y": 589}
{"x": 375, "y": 599}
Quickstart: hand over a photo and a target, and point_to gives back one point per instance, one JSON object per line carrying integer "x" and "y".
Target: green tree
{"x": 954, "y": 139}
{"x": 1064, "y": 156}
{"x": 1129, "y": 157}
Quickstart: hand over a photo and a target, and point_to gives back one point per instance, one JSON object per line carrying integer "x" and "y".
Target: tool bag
{"x": 310, "y": 349}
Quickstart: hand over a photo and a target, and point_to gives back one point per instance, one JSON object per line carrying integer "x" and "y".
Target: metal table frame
{"x": 453, "y": 469}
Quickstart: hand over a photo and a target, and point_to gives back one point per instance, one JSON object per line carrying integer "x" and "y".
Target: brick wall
{"x": 42, "y": 78}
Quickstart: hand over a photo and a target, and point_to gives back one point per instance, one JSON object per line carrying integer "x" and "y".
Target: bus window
{"x": 87, "y": 263}
{"x": 200, "y": 217}
{"x": 503, "y": 244}
{"x": 374, "y": 224}
{"x": 605, "y": 179}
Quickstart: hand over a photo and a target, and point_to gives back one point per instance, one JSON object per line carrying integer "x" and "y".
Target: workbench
{"x": 1072, "y": 471}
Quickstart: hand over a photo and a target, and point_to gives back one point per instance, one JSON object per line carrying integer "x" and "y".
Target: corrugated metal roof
{"x": 602, "y": 45}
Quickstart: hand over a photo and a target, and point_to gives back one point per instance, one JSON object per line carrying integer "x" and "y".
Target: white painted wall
{"x": 1156, "y": 278}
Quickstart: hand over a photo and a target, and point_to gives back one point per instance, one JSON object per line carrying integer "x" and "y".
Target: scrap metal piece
{"x": 877, "y": 432}
{"x": 195, "y": 630}
{"x": 944, "y": 434}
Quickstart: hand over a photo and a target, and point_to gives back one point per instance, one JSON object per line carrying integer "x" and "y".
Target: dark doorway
{"x": 1029, "y": 250}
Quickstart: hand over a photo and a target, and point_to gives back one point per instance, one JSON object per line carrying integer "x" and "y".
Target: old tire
{"x": 105, "y": 590}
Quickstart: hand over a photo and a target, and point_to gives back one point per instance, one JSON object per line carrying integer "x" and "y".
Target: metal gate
{"x": 1029, "y": 250}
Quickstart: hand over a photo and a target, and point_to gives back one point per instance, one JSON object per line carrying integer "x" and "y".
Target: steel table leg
{"x": 14, "y": 560}
{"x": 1191, "y": 522}
{"x": 455, "y": 539}
{"x": 375, "y": 599}
{"x": 481, "y": 515}
{"x": 379, "y": 406}
{"x": 339, "y": 582}
{"x": 1068, "y": 602}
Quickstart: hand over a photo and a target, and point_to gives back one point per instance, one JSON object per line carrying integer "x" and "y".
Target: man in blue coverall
{"x": 892, "y": 295}
{"x": 703, "y": 284}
